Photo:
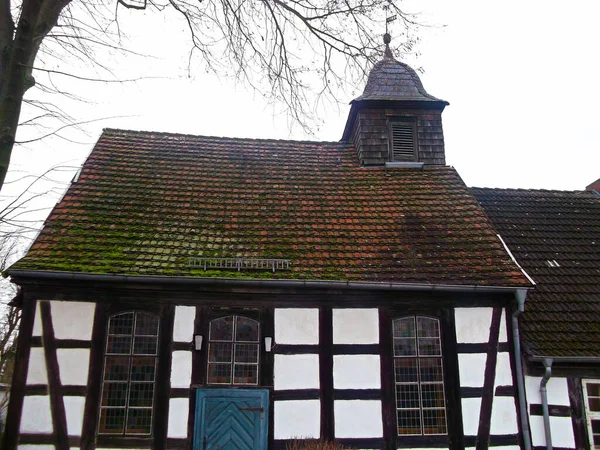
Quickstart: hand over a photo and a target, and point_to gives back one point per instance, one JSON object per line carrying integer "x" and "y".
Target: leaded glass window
{"x": 129, "y": 374}
{"x": 419, "y": 376}
{"x": 233, "y": 351}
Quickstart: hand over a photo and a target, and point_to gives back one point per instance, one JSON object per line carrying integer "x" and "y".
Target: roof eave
{"x": 149, "y": 279}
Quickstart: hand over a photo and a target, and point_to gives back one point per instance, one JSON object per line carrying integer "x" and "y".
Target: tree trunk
{"x": 15, "y": 81}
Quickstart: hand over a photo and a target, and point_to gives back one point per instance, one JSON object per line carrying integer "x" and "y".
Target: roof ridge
{"x": 224, "y": 138}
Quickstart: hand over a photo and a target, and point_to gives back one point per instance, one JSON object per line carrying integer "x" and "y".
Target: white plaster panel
{"x": 36, "y": 416}
{"x": 74, "y": 407}
{"x": 297, "y": 419}
{"x": 471, "y": 369}
{"x": 183, "y": 328}
{"x": 472, "y": 324}
{"x": 37, "y": 321}
{"x": 73, "y": 320}
{"x": 561, "y": 431}
{"x": 558, "y": 392}
{"x": 178, "y": 418}
{"x": 36, "y": 372}
{"x": 503, "y": 336}
{"x": 181, "y": 369}
{"x": 504, "y": 416}
{"x": 357, "y": 418}
{"x": 470, "y": 411}
{"x": 503, "y": 370}
{"x": 296, "y": 372}
{"x": 356, "y": 372}
{"x": 356, "y": 326}
{"x": 297, "y": 326}
{"x": 73, "y": 365}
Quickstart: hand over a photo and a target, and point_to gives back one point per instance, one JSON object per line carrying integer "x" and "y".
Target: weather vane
{"x": 386, "y": 37}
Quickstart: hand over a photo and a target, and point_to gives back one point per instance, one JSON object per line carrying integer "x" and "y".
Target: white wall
{"x": 355, "y": 326}
{"x": 297, "y": 326}
{"x": 561, "y": 427}
{"x": 296, "y": 372}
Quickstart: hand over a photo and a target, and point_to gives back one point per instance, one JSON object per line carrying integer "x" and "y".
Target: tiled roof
{"x": 146, "y": 202}
{"x": 392, "y": 80}
{"x": 555, "y": 237}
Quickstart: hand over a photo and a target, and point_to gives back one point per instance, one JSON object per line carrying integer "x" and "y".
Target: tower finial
{"x": 386, "y": 40}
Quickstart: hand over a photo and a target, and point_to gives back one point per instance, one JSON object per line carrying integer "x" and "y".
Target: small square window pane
{"x": 596, "y": 441}
{"x": 594, "y": 404}
{"x": 219, "y": 352}
{"x": 121, "y": 324}
{"x": 409, "y": 421}
{"x": 219, "y": 373}
{"x": 405, "y": 347}
{"x": 434, "y": 421}
{"x": 116, "y": 368}
{"x": 428, "y": 327}
{"x": 146, "y": 325}
{"x": 112, "y": 420}
{"x": 120, "y": 345}
{"x": 593, "y": 389}
{"x": 114, "y": 394}
{"x": 143, "y": 345}
{"x": 407, "y": 396}
{"x": 246, "y": 330}
{"x": 143, "y": 368}
{"x": 221, "y": 329}
{"x": 141, "y": 394}
{"x": 431, "y": 370}
{"x": 430, "y": 347}
{"x": 406, "y": 370}
{"x": 246, "y": 353}
{"x": 245, "y": 374}
{"x": 596, "y": 426}
{"x": 433, "y": 395}
{"x": 139, "y": 421}
{"x": 404, "y": 328}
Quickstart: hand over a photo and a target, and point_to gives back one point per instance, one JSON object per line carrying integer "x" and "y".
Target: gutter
{"x": 544, "y": 393}
{"x": 520, "y": 295}
{"x": 566, "y": 359}
{"x": 181, "y": 280}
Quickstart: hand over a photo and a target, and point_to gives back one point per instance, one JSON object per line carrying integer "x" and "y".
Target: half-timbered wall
{"x": 488, "y": 400}
{"x": 330, "y": 374}
{"x": 559, "y": 406}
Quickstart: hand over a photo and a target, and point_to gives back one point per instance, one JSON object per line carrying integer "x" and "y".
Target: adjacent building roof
{"x": 391, "y": 80}
{"x": 146, "y": 202}
{"x": 555, "y": 236}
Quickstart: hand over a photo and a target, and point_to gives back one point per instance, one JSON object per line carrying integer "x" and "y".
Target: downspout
{"x": 519, "y": 368}
{"x": 544, "y": 392}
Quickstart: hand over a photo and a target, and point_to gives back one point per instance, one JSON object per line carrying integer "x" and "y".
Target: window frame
{"x": 590, "y": 415}
{"x": 420, "y": 384}
{"x": 105, "y": 355}
{"x": 421, "y": 306}
{"x": 235, "y": 315}
{"x": 412, "y": 120}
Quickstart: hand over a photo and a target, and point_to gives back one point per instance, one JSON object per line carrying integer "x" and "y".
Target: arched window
{"x": 129, "y": 374}
{"x": 419, "y": 376}
{"x": 233, "y": 351}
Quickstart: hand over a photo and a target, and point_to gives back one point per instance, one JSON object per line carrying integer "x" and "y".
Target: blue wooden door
{"x": 231, "y": 419}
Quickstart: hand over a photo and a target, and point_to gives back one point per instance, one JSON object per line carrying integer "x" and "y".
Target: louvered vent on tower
{"x": 403, "y": 146}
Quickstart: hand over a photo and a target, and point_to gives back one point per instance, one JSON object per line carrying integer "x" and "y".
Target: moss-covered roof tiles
{"x": 146, "y": 202}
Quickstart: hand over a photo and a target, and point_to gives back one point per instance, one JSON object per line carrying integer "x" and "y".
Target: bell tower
{"x": 395, "y": 122}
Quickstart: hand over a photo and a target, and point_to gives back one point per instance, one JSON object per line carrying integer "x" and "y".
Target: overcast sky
{"x": 521, "y": 78}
